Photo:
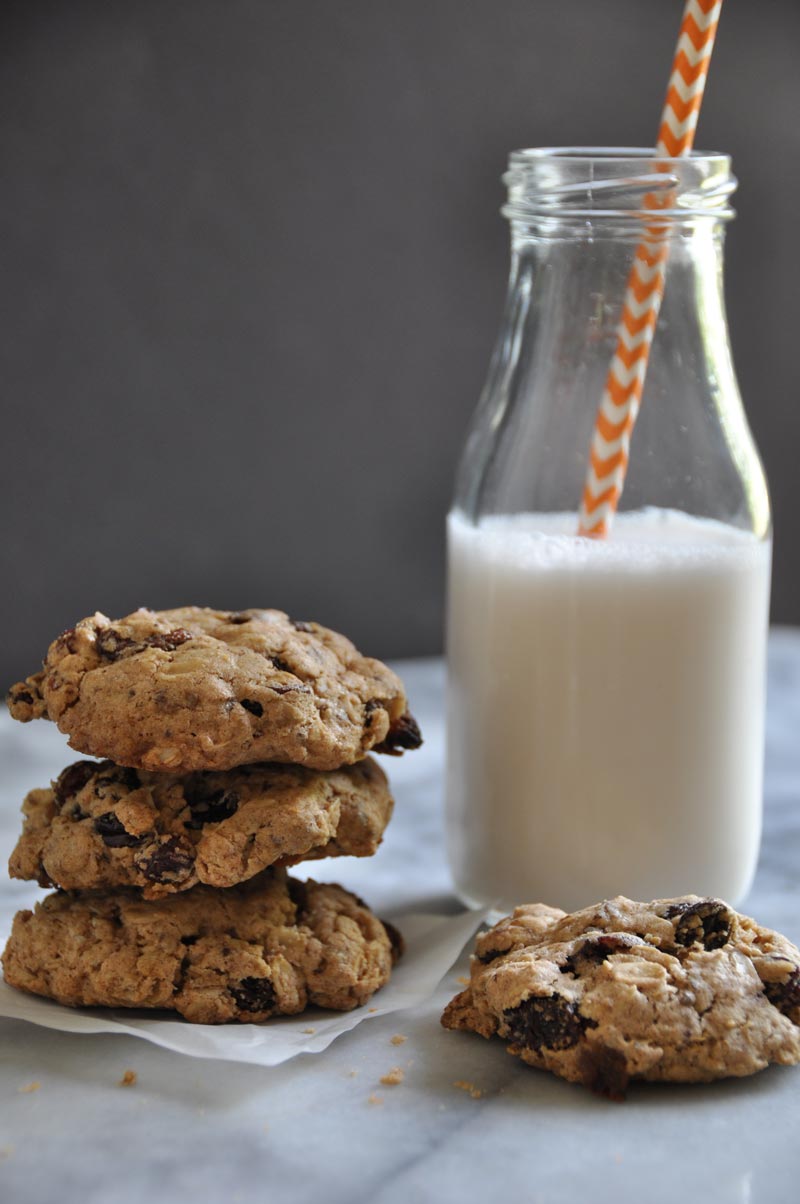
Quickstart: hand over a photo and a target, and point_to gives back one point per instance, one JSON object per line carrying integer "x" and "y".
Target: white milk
{"x": 605, "y": 708}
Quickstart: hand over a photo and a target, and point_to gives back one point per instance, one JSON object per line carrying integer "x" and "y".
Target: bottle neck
{"x": 556, "y": 265}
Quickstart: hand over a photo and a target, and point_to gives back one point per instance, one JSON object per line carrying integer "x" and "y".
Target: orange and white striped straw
{"x": 616, "y": 415}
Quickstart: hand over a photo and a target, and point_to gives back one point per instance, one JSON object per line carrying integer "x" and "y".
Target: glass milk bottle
{"x": 606, "y": 696}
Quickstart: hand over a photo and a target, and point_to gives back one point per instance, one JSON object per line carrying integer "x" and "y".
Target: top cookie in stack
{"x": 196, "y": 689}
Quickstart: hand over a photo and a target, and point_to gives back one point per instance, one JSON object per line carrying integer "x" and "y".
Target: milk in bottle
{"x": 606, "y": 708}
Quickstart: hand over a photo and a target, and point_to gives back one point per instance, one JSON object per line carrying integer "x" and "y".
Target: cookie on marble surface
{"x": 179, "y": 690}
{"x": 272, "y": 946}
{"x": 101, "y": 825}
{"x": 681, "y": 990}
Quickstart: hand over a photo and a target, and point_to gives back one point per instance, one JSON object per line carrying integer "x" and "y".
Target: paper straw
{"x": 616, "y": 415}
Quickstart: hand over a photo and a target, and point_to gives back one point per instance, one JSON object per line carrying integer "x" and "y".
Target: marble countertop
{"x": 192, "y": 1130}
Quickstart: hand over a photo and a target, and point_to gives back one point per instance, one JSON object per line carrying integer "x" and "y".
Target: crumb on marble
{"x": 29, "y": 1087}
{"x": 394, "y": 1077}
{"x": 128, "y": 1079}
{"x": 397, "y": 1039}
{"x": 351, "y": 1074}
{"x": 375, "y": 1099}
{"x": 372, "y": 1009}
{"x": 462, "y": 978}
{"x": 310, "y": 1031}
{"x": 472, "y": 1091}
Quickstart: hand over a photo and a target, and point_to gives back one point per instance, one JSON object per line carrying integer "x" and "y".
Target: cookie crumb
{"x": 375, "y": 1099}
{"x": 462, "y": 978}
{"x": 394, "y": 1078}
{"x": 470, "y": 1088}
{"x": 128, "y": 1079}
{"x": 397, "y": 1039}
{"x": 310, "y": 1031}
{"x": 372, "y": 1009}
{"x": 29, "y": 1087}
{"x": 351, "y": 1074}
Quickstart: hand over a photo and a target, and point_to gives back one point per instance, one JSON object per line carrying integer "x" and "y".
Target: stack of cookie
{"x": 233, "y": 745}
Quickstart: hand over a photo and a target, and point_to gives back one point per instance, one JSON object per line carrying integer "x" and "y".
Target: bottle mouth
{"x": 597, "y": 182}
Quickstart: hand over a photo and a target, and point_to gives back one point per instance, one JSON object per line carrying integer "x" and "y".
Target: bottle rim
{"x": 591, "y": 153}
{"x": 597, "y": 182}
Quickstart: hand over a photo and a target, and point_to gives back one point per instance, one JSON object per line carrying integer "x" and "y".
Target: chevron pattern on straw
{"x": 619, "y": 406}
{"x": 689, "y": 71}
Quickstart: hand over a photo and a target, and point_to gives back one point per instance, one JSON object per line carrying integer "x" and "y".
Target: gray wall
{"x": 252, "y": 267}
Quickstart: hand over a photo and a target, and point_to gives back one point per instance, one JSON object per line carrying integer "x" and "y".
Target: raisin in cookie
{"x": 178, "y": 690}
{"x": 271, "y": 947}
{"x": 683, "y": 989}
{"x": 101, "y": 825}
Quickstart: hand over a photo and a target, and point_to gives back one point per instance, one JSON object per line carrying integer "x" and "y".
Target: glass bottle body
{"x": 606, "y": 697}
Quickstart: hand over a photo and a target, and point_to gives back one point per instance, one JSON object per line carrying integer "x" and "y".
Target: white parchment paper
{"x": 433, "y": 943}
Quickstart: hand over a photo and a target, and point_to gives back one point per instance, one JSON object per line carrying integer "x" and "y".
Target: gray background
{"x": 252, "y": 268}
